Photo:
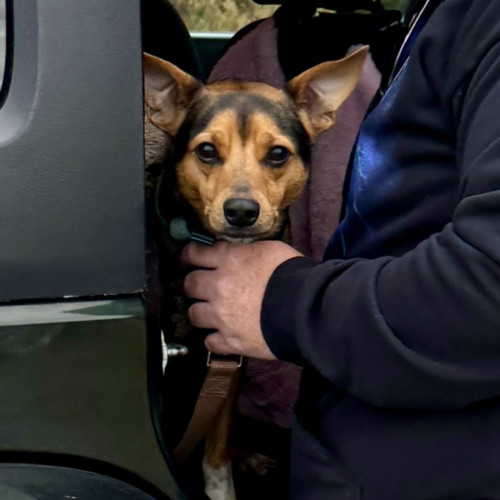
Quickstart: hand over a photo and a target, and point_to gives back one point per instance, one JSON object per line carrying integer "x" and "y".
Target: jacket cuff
{"x": 281, "y": 297}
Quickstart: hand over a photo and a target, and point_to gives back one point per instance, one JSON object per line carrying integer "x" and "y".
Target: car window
{"x": 220, "y": 15}
{"x": 230, "y": 15}
{"x": 2, "y": 40}
{"x": 396, "y": 4}
{"x": 212, "y": 23}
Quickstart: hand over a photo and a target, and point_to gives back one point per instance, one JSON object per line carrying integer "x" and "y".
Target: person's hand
{"x": 230, "y": 287}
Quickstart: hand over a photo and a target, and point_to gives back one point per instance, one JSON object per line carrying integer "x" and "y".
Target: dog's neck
{"x": 179, "y": 222}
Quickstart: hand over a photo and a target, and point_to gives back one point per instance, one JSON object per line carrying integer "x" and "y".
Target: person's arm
{"x": 421, "y": 330}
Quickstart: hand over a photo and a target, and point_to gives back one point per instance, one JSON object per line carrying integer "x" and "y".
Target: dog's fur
{"x": 241, "y": 154}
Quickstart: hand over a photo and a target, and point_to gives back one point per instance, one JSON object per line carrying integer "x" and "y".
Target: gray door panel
{"x": 71, "y": 152}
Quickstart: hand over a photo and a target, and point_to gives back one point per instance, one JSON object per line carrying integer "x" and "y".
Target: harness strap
{"x": 222, "y": 375}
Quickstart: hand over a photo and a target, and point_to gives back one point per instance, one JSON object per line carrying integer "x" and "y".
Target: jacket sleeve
{"x": 421, "y": 330}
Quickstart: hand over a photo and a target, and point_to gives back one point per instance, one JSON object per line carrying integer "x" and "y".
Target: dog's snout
{"x": 241, "y": 212}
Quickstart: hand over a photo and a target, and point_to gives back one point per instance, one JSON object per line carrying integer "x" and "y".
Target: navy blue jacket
{"x": 399, "y": 328}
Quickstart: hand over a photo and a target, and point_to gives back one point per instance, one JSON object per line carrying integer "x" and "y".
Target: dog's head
{"x": 242, "y": 148}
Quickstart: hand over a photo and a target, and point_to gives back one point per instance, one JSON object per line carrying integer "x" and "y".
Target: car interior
{"x": 87, "y": 409}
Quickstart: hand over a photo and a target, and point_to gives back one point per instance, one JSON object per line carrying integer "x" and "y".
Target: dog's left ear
{"x": 319, "y": 91}
{"x": 168, "y": 93}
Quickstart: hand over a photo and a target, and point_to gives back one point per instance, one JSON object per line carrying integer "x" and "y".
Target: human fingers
{"x": 200, "y": 315}
{"x": 198, "y": 283}
{"x": 215, "y": 342}
{"x": 198, "y": 255}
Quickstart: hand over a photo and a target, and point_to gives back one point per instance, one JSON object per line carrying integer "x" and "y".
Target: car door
{"x": 80, "y": 359}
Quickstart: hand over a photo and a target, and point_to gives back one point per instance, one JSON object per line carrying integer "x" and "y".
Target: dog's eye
{"x": 277, "y": 156}
{"x": 207, "y": 153}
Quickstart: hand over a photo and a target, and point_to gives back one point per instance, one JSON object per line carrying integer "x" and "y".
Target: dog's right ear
{"x": 168, "y": 93}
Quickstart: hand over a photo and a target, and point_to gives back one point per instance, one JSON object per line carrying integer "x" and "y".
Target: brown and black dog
{"x": 240, "y": 159}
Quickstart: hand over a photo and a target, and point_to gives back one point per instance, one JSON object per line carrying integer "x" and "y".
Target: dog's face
{"x": 243, "y": 159}
{"x": 243, "y": 147}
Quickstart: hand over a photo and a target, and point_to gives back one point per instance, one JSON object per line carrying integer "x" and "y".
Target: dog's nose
{"x": 241, "y": 212}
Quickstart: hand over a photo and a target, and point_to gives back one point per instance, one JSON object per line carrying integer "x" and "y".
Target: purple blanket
{"x": 270, "y": 388}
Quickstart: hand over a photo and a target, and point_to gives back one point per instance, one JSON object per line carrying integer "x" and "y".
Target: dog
{"x": 240, "y": 158}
